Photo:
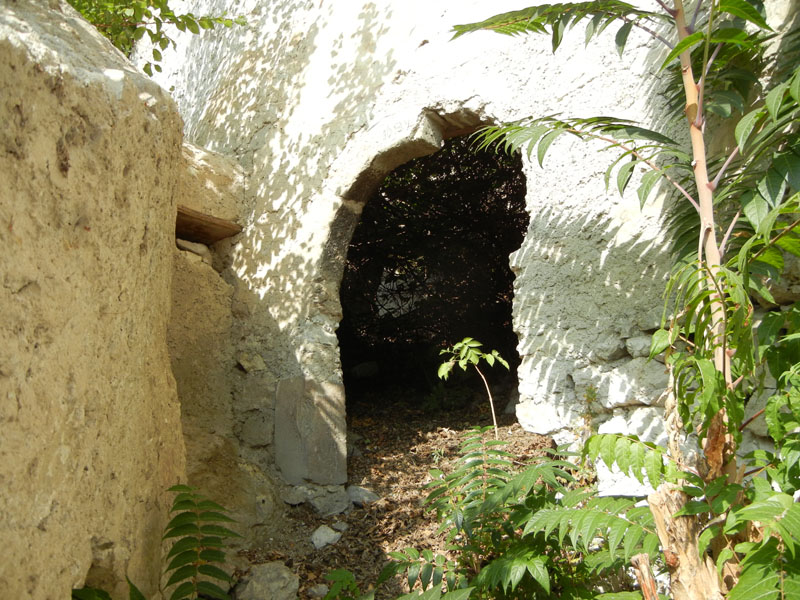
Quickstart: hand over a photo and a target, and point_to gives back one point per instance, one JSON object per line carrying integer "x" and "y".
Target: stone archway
{"x": 310, "y": 424}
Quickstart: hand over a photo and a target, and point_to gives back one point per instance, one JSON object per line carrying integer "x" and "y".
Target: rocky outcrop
{"x": 91, "y": 432}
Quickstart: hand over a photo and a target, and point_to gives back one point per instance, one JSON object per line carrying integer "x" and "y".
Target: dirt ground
{"x": 396, "y": 446}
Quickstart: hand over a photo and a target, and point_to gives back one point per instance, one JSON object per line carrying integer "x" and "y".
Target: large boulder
{"x": 91, "y": 432}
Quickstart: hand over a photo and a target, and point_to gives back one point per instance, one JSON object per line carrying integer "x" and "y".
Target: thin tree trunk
{"x": 644, "y": 575}
{"x": 692, "y": 576}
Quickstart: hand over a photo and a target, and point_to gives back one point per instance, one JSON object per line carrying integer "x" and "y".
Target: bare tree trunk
{"x": 692, "y": 576}
{"x": 644, "y": 575}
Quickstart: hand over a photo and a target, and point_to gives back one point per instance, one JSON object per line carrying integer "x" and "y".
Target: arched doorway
{"x": 427, "y": 266}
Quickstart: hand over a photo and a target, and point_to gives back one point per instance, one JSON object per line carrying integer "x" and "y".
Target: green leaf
{"x": 538, "y": 570}
{"x": 184, "y": 590}
{"x": 444, "y": 369}
{"x": 794, "y": 86}
{"x": 755, "y": 209}
{"x": 181, "y": 574}
{"x": 183, "y": 518}
{"x": 184, "y": 558}
{"x": 213, "y": 555}
{"x": 183, "y": 530}
{"x": 622, "y": 37}
{"x": 218, "y": 530}
{"x": 215, "y": 516}
{"x": 774, "y": 100}
{"x": 659, "y": 342}
{"x": 743, "y": 10}
{"x": 133, "y": 591}
{"x": 215, "y": 572}
{"x": 425, "y": 574}
{"x": 461, "y": 594}
{"x": 212, "y": 590}
{"x": 685, "y": 44}
{"x": 745, "y": 127}
{"x": 653, "y": 466}
{"x": 624, "y": 175}
{"x": 413, "y": 573}
{"x": 544, "y": 144}
{"x": 649, "y": 180}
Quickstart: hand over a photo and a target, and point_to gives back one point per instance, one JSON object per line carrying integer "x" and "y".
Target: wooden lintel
{"x": 195, "y": 226}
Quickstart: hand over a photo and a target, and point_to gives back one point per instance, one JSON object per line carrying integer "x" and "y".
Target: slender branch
{"x": 644, "y": 575}
{"x": 776, "y": 238}
{"x": 670, "y": 11}
{"x": 701, "y": 87}
{"x": 722, "y": 169}
{"x": 491, "y": 402}
{"x": 751, "y": 419}
{"x": 713, "y": 58}
{"x": 636, "y": 153}
{"x": 695, "y": 15}
{"x": 652, "y": 33}
{"x": 728, "y": 232}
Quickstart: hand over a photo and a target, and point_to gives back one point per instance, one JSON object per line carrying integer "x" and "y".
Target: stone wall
{"x": 320, "y": 101}
{"x": 222, "y": 437}
{"x": 90, "y": 432}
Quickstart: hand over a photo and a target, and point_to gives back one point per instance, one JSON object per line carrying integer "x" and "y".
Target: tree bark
{"x": 644, "y": 575}
{"x": 692, "y": 576}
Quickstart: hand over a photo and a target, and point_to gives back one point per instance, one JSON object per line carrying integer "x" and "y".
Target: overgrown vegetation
{"x": 126, "y": 21}
{"x": 197, "y": 550}
{"x": 723, "y": 525}
{"x": 723, "y": 532}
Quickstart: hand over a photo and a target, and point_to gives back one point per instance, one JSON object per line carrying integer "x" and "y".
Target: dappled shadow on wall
{"x": 589, "y": 285}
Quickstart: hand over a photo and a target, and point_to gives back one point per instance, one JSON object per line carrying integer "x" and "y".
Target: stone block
{"x": 210, "y": 183}
{"x": 310, "y": 431}
{"x": 324, "y": 536}
{"x": 627, "y": 383}
{"x": 270, "y": 581}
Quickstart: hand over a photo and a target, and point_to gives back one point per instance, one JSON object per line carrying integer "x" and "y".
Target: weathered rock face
{"x": 222, "y": 435}
{"x": 91, "y": 434}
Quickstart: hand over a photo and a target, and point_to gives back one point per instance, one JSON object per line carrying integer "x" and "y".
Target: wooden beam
{"x": 195, "y": 226}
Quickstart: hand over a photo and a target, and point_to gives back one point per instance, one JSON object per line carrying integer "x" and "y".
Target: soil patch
{"x": 395, "y": 449}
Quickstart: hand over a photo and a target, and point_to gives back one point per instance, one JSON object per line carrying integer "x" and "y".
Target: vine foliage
{"x": 124, "y": 22}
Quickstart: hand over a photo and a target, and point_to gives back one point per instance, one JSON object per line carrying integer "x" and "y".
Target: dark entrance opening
{"x": 428, "y": 265}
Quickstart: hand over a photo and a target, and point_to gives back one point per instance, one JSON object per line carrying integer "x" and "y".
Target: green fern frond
{"x": 555, "y": 19}
{"x": 633, "y": 457}
{"x": 197, "y": 547}
{"x": 613, "y": 519}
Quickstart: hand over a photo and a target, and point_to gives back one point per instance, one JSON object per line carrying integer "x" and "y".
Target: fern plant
{"x": 199, "y": 544}
{"x": 523, "y": 531}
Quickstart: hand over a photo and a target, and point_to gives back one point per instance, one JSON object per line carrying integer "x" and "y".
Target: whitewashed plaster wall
{"x": 319, "y": 100}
